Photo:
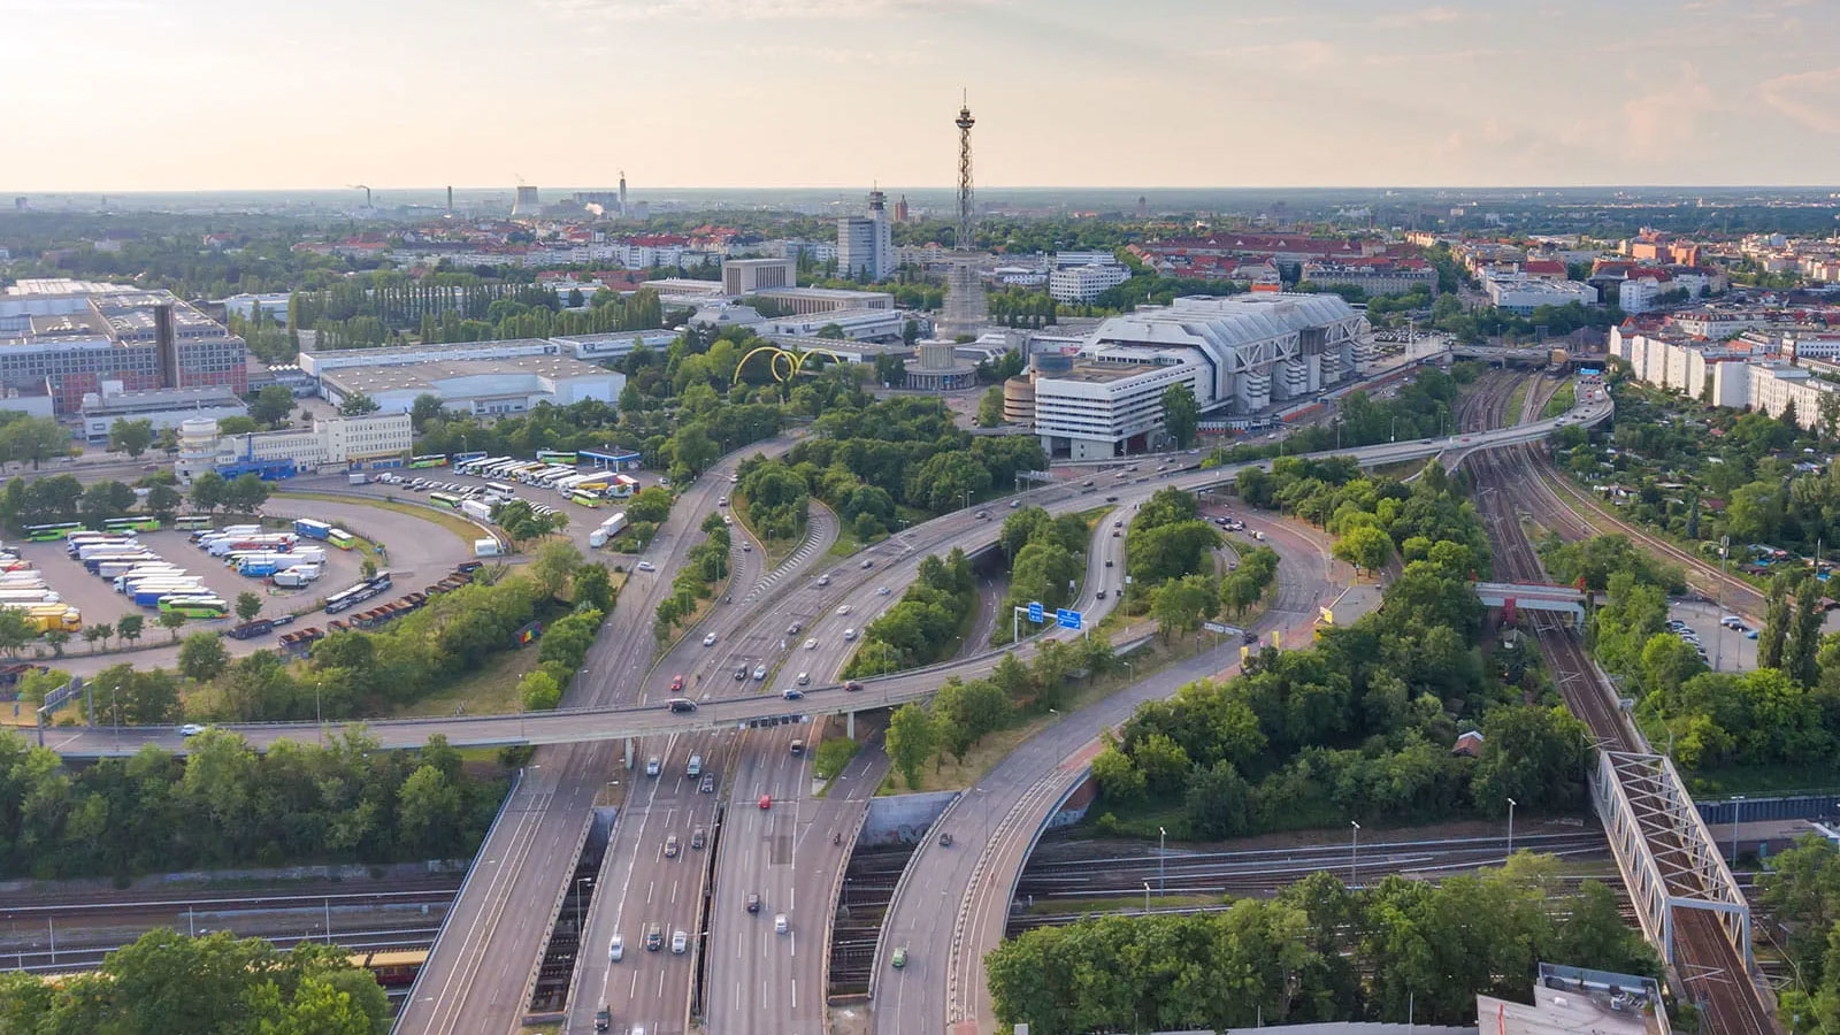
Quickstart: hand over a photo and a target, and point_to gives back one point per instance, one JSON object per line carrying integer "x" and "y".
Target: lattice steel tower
{"x": 966, "y": 241}
{"x": 966, "y": 309}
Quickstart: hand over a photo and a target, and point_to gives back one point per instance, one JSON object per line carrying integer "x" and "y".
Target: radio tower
{"x": 965, "y": 306}
{"x": 965, "y": 241}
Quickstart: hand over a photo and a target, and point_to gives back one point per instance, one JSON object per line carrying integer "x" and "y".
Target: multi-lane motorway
{"x": 605, "y": 720}
{"x": 476, "y": 978}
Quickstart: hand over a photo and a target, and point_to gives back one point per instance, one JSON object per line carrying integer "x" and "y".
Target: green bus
{"x": 195, "y": 607}
{"x": 47, "y": 533}
{"x": 429, "y": 460}
{"x": 342, "y": 539}
{"x": 586, "y": 499}
{"x": 192, "y": 522}
{"x": 132, "y": 524}
{"x": 557, "y": 456}
{"x": 445, "y": 500}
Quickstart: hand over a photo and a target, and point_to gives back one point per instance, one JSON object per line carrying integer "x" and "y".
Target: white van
{"x": 695, "y": 768}
{"x": 848, "y": 635}
{"x": 804, "y": 678}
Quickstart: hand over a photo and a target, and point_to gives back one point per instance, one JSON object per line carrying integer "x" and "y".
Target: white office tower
{"x": 865, "y": 245}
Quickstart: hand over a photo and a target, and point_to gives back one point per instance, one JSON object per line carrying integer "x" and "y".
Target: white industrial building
{"x": 492, "y": 387}
{"x": 1239, "y": 355}
{"x": 161, "y": 407}
{"x": 373, "y": 440}
{"x": 274, "y": 307}
{"x": 1522, "y": 294}
{"x": 613, "y": 345}
{"x": 856, "y": 324}
{"x": 1085, "y": 283}
{"x": 802, "y": 301}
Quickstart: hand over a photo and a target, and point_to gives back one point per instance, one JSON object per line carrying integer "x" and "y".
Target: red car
{"x": 766, "y": 802}
{"x": 677, "y": 683}
{"x": 852, "y": 686}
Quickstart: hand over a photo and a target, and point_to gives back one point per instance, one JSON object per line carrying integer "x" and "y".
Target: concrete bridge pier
{"x": 628, "y": 755}
{"x": 849, "y": 727}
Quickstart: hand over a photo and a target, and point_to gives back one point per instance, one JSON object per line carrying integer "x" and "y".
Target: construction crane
{"x": 366, "y": 190}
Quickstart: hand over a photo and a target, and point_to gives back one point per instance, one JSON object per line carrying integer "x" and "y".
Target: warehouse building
{"x": 163, "y": 407}
{"x": 336, "y": 443}
{"x": 493, "y": 387}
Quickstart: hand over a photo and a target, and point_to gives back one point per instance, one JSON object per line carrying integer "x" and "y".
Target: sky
{"x": 122, "y": 95}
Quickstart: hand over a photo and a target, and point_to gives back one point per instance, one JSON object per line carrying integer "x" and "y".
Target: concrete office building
{"x": 373, "y": 440}
{"x": 1381, "y": 275}
{"x": 747, "y": 276}
{"x": 1239, "y": 355}
{"x": 1085, "y": 283}
{"x": 865, "y": 245}
{"x": 274, "y": 307}
{"x": 163, "y": 407}
{"x": 65, "y": 337}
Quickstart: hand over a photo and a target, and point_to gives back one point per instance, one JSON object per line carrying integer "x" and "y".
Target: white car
{"x": 191, "y": 729}
{"x": 709, "y": 640}
{"x": 882, "y": 591}
{"x": 616, "y": 949}
{"x": 845, "y": 609}
{"x": 811, "y": 644}
{"x": 645, "y": 566}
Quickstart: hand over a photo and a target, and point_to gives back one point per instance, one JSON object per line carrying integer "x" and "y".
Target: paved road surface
{"x": 955, "y": 902}
{"x": 475, "y": 978}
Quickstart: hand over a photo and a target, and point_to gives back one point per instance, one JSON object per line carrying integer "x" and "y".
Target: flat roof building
{"x": 613, "y": 345}
{"x": 805, "y": 300}
{"x": 1522, "y": 295}
{"x": 66, "y": 337}
{"x": 500, "y": 386}
{"x": 856, "y": 324}
{"x": 163, "y": 407}
{"x": 372, "y": 440}
{"x": 1085, "y": 283}
{"x": 746, "y": 276}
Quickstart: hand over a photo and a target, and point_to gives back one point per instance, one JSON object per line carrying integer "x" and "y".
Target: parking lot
{"x": 1727, "y": 650}
{"x": 100, "y": 603}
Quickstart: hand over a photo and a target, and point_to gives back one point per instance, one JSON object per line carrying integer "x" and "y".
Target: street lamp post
{"x": 1737, "y": 802}
{"x": 1146, "y": 898}
{"x": 1354, "y": 855}
{"x": 1161, "y": 888}
{"x": 578, "y": 883}
{"x": 1511, "y": 804}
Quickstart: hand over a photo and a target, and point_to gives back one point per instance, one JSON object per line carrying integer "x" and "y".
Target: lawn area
{"x": 1561, "y": 400}
{"x": 453, "y": 523}
{"x": 1516, "y": 400}
{"x": 491, "y": 690}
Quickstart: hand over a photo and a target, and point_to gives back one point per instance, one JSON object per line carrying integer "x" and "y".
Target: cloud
{"x": 1664, "y": 122}
{"x": 749, "y": 10}
{"x": 1421, "y": 16}
{"x": 1302, "y": 55}
{"x": 1808, "y": 98}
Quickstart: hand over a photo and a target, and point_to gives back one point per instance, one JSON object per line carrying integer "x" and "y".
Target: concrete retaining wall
{"x": 902, "y": 818}
{"x": 351, "y": 872}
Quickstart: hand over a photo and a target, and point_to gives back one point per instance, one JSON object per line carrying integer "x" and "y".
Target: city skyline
{"x": 697, "y": 94}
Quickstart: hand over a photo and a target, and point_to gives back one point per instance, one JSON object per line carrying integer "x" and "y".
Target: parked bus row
{"x": 300, "y": 643}
{"x": 273, "y": 556}
{"x": 23, "y": 588}
{"x": 142, "y": 575}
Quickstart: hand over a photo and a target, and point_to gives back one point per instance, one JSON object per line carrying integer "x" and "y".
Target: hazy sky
{"x": 200, "y": 94}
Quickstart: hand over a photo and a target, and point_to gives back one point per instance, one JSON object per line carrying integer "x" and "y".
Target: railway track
{"x": 1506, "y": 480}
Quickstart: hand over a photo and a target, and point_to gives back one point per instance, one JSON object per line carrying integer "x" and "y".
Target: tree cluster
{"x": 778, "y": 499}
{"x": 168, "y": 984}
{"x": 226, "y": 805}
{"x": 705, "y": 565}
{"x": 1316, "y": 953}
{"x": 925, "y": 625}
{"x": 1801, "y": 893}
{"x": 1047, "y": 558}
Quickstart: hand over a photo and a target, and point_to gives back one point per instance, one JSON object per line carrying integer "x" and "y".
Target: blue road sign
{"x": 1067, "y": 619}
{"x": 1036, "y": 614}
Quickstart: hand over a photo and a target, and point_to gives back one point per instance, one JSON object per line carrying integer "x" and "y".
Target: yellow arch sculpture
{"x": 794, "y": 359}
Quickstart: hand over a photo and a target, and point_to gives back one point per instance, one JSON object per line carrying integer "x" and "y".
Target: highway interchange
{"x": 953, "y": 902}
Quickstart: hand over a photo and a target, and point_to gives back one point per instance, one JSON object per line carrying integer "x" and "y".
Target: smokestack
{"x": 166, "y": 348}
{"x": 450, "y": 199}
